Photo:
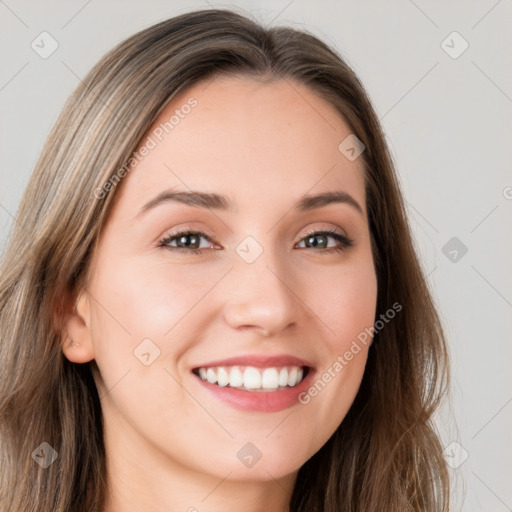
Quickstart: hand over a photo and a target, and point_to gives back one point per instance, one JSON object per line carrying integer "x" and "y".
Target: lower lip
{"x": 259, "y": 401}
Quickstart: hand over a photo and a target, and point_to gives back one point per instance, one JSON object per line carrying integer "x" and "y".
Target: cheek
{"x": 142, "y": 320}
{"x": 344, "y": 300}
{"x": 140, "y": 301}
{"x": 147, "y": 314}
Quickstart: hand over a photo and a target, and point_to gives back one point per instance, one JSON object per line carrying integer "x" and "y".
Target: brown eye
{"x": 185, "y": 241}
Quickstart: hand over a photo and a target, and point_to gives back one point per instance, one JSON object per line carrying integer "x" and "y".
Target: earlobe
{"x": 76, "y": 335}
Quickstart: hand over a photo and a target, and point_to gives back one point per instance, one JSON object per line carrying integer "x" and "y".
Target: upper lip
{"x": 259, "y": 360}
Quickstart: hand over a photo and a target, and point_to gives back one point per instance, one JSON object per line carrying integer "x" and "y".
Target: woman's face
{"x": 250, "y": 298}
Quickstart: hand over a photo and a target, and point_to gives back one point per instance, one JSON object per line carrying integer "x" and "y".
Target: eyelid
{"x": 331, "y": 230}
{"x": 186, "y": 229}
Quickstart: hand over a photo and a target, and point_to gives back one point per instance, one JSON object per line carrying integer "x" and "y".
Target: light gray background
{"x": 448, "y": 124}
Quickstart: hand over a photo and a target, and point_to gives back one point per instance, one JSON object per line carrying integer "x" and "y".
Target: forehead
{"x": 248, "y": 139}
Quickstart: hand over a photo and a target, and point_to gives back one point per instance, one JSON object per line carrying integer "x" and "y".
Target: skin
{"x": 171, "y": 445}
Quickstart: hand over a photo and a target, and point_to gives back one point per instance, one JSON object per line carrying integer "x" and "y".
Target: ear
{"x": 76, "y": 332}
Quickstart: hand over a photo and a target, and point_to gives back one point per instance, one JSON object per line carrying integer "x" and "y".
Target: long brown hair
{"x": 385, "y": 455}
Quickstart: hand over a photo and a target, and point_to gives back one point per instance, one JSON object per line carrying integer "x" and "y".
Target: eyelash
{"x": 345, "y": 242}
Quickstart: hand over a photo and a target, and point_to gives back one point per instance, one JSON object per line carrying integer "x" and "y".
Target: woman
{"x": 211, "y": 297}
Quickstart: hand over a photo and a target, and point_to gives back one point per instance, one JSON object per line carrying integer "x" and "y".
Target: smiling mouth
{"x": 254, "y": 379}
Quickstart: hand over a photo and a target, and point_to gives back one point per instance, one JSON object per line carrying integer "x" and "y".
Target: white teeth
{"x": 211, "y": 376}
{"x": 222, "y": 377}
{"x": 292, "y": 376}
{"x": 251, "y": 378}
{"x": 283, "y": 377}
{"x": 236, "y": 379}
{"x": 270, "y": 379}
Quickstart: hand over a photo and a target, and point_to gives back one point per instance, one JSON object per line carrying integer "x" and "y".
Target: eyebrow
{"x": 220, "y": 202}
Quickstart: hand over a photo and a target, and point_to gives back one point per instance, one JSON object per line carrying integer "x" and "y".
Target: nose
{"x": 260, "y": 296}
